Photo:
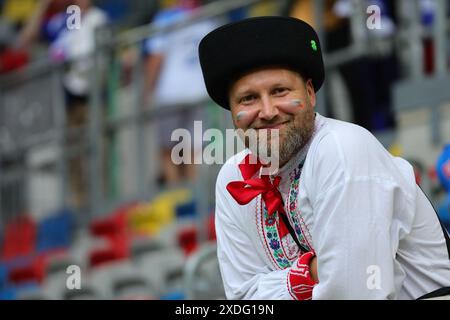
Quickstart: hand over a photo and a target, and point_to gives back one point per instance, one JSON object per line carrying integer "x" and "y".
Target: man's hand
{"x": 313, "y": 269}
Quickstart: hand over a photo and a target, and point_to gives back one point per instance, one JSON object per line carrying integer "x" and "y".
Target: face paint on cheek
{"x": 291, "y": 106}
{"x": 296, "y": 103}
{"x": 244, "y": 118}
{"x": 241, "y": 115}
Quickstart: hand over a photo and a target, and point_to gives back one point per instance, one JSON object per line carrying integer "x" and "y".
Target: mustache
{"x": 271, "y": 123}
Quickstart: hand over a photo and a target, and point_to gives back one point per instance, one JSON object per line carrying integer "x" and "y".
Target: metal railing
{"x": 418, "y": 90}
{"x": 55, "y": 133}
{"x": 101, "y": 128}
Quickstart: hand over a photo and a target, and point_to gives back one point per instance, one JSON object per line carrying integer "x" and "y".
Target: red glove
{"x": 301, "y": 283}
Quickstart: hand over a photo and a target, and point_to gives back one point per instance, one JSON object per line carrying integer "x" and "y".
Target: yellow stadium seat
{"x": 19, "y": 11}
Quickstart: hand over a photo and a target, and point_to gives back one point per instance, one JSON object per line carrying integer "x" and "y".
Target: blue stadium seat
{"x": 186, "y": 210}
{"x": 13, "y": 292}
{"x": 8, "y": 294}
{"x": 175, "y": 295}
{"x": 29, "y": 291}
{"x": 3, "y": 276}
{"x": 55, "y": 231}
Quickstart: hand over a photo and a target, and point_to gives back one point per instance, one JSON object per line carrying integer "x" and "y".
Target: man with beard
{"x": 338, "y": 202}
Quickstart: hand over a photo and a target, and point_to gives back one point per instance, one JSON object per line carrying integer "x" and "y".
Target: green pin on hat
{"x": 313, "y": 45}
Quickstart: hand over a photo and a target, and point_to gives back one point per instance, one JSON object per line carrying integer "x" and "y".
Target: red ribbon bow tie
{"x": 245, "y": 191}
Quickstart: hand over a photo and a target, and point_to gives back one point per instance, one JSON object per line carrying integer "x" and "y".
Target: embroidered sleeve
{"x": 299, "y": 281}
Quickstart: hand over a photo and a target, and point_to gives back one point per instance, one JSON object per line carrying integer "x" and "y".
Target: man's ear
{"x": 310, "y": 92}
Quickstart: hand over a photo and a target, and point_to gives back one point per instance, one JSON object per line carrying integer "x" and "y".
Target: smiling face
{"x": 275, "y": 98}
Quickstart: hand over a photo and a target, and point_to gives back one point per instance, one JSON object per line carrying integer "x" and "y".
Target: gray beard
{"x": 296, "y": 137}
{"x": 293, "y": 143}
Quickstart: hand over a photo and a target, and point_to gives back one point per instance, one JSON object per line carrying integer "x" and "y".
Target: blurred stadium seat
{"x": 145, "y": 245}
{"x": 19, "y": 237}
{"x": 162, "y": 268}
{"x": 29, "y": 291}
{"x": 32, "y": 271}
{"x": 188, "y": 238}
{"x": 202, "y": 279}
{"x": 3, "y": 275}
{"x": 133, "y": 287}
{"x": 55, "y": 231}
{"x": 8, "y": 293}
{"x": 86, "y": 292}
{"x": 110, "y": 279}
{"x": 113, "y": 229}
{"x": 54, "y": 284}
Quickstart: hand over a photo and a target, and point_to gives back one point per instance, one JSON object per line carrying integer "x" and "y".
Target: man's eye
{"x": 247, "y": 99}
{"x": 280, "y": 91}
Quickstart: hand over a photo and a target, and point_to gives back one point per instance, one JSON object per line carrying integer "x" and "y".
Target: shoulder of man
{"x": 344, "y": 150}
{"x": 348, "y": 139}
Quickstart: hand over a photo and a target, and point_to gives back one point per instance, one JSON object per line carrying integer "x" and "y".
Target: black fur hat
{"x": 234, "y": 49}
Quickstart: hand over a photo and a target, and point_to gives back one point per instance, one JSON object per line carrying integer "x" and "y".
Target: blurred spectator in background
{"x": 173, "y": 77}
{"x": 13, "y": 15}
{"x": 66, "y": 43}
{"x": 73, "y": 45}
{"x": 427, "y": 18}
{"x": 367, "y": 78}
{"x": 32, "y": 29}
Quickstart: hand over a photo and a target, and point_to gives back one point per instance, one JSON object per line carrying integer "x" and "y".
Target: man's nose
{"x": 268, "y": 109}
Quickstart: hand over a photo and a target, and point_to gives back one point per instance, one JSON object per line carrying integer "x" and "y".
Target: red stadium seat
{"x": 30, "y": 272}
{"x": 114, "y": 229}
{"x": 19, "y": 238}
{"x": 117, "y": 249}
{"x": 108, "y": 226}
{"x": 188, "y": 239}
